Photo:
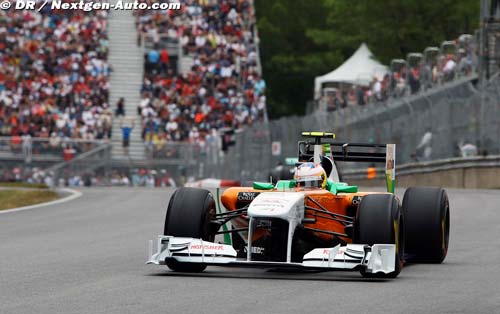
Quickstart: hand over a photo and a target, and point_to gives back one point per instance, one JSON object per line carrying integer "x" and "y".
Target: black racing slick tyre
{"x": 380, "y": 221}
{"x": 188, "y": 215}
{"x": 427, "y": 214}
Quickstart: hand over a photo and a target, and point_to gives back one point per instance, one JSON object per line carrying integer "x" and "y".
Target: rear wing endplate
{"x": 350, "y": 152}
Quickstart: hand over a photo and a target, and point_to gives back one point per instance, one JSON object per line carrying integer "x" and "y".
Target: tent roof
{"x": 359, "y": 69}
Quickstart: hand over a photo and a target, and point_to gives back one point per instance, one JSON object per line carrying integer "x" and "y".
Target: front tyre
{"x": 427, "y": 213}
{"x": 380, "y": 221}
{"x": 189, "y": 213}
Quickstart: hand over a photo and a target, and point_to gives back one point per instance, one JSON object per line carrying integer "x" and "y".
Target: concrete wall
{"x": 468, "y": 178}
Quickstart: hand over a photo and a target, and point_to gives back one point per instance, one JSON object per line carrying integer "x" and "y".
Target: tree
{"x": 303, "y": 39}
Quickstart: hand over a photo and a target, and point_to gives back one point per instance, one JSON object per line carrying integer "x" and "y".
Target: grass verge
{"x": 18, "y": 198}
{"x": 23, "y": 185}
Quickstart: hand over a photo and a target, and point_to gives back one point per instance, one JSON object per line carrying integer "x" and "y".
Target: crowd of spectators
{"x": 419, "y": 72}
{"x": 222, "y": 89}
{"x": 135, "y": 178}
{"x": 19, "y": 173}
{"x": 54, "y": 74}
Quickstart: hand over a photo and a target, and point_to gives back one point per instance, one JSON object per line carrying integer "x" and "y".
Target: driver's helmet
{"x": 310, "y": 175}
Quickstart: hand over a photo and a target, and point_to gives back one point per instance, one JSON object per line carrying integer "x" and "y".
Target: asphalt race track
{"x": 87, "y": 256}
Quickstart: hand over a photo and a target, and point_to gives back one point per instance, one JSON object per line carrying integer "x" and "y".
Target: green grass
{"x": 23, "y": 185}
{"x": 18, "y": 198}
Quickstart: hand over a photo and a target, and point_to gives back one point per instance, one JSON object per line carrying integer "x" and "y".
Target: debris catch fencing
{"x": 429, "y": 126}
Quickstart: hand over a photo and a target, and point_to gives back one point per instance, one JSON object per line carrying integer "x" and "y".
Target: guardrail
{"x": 85, "y": 162}
{"x": 27, "y": 148}
{"x": 470, "y": 172}
{"x": 173, "y": 153}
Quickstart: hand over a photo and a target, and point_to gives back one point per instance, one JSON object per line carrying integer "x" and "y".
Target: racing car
{"x": 311, "y": 222}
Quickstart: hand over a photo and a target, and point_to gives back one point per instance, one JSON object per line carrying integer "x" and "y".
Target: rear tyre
{"x": 380, "y": 221}
{"x": 188, "y": 215}
{"x": 427, "y": 213}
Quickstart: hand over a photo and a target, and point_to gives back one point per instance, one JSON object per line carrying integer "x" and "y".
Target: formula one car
{"x": 311, "y": 222}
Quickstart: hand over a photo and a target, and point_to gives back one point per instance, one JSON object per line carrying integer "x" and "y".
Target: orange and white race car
{"x": 313, "y": 221}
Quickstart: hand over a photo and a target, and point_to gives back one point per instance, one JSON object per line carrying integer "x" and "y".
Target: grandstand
{"x": 58, "y": 88}
{"x": 54, "y": 85}
{"x": 54, "y": 74}
{"x": 216, "y": 82}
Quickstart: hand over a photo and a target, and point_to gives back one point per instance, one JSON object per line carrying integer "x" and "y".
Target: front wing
{"x": 374, "y": 259}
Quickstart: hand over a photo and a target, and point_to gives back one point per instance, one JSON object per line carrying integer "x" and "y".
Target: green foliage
{"x": 303, "y": 39}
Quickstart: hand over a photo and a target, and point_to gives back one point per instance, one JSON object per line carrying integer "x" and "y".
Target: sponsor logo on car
{"x": 247, "y": 196}
{"x": 327, "y": 251}
{"x": 270, "y": 203}
{"x": 206, "y": 247}
{"x": 244, "y": 198}
{"x": 255, "y": 250}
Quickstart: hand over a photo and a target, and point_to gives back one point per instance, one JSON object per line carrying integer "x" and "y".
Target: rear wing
{"x": 323, "y": 144}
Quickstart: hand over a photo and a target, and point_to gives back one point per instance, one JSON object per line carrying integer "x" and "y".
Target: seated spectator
{"x": 53, "y": 73}
{"x": 221, "y": 89}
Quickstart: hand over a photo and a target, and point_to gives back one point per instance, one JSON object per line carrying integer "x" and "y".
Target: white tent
{"x": 359, "y": 69}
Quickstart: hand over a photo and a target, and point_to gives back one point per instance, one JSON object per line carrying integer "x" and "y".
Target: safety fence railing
{"x": 417, "y": 73}
{"x": 81, "y": 165}
{"x": 456, "y": 119}
{"x": 430, "y": 166}
{"x": 441, "y": 123}
{"x": 27, "y": 148}
{"x": 336, "y": 101}
{"x": 174, "y": 153}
